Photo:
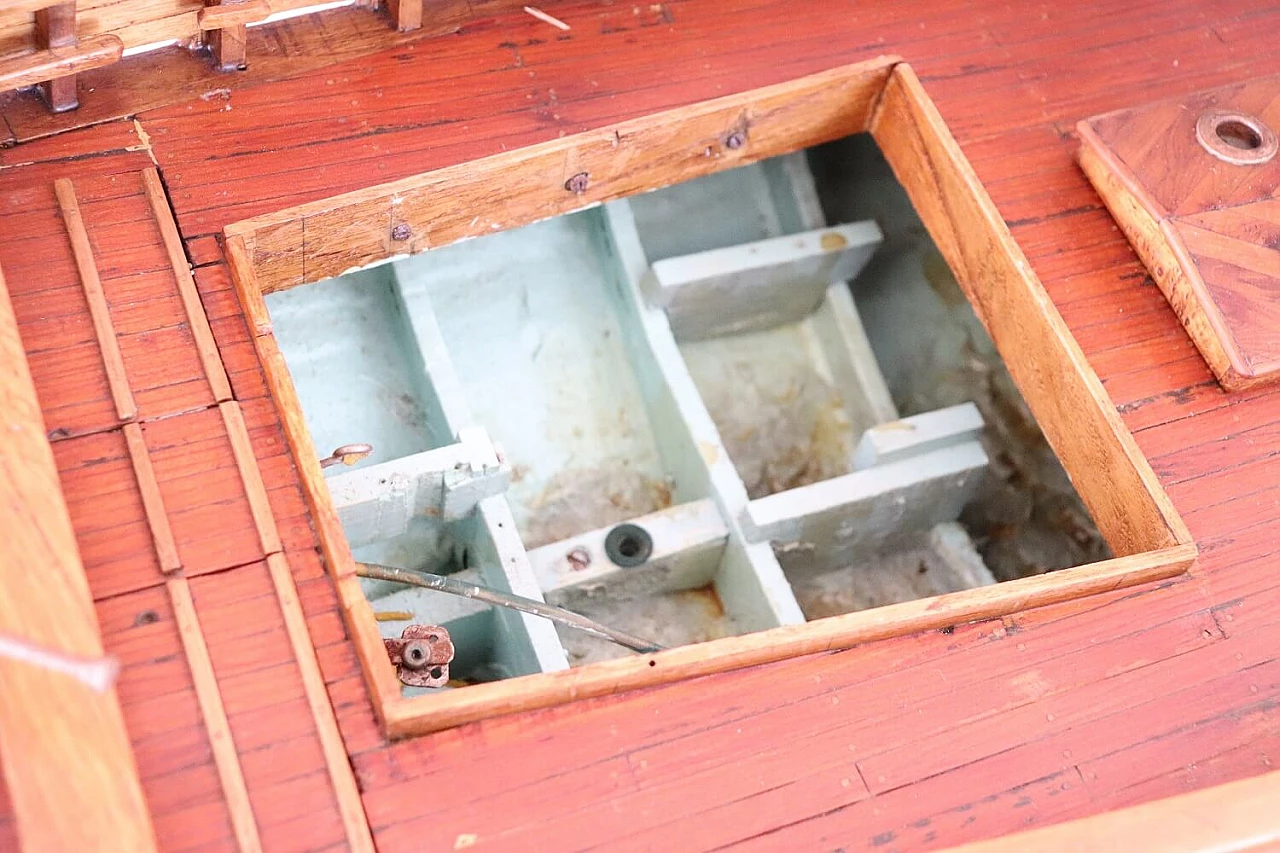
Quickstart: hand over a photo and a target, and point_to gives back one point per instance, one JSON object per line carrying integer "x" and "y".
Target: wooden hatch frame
{"x": 315, "y": 241}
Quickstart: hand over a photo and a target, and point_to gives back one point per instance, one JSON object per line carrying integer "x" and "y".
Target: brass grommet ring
{"x": 1236, "y": 138}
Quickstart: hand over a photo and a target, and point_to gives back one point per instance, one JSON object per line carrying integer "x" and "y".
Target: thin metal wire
{"x": 440, "y": 583}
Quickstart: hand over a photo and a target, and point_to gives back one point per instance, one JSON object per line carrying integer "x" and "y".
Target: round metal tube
{"x": 440, "y": 583}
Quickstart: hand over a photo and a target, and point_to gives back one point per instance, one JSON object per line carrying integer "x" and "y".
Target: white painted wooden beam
{"x": 757, "y": 285}
{"x": 838, "y": 520}
{"x": 901, "y": 439}
{"x": 378, "y": 502}
{"x": 688, "y": 540}
{"x": 750, "y": 581}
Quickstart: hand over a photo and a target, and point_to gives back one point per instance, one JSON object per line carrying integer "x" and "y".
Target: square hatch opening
{"x": 753, "y": 407}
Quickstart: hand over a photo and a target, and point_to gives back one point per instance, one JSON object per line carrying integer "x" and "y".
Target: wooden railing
{"x": 46, "y": 44}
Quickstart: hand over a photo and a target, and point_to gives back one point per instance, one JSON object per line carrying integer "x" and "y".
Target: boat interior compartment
{"x": 663, "y": 414}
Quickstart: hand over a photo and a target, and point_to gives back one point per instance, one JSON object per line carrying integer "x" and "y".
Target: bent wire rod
{"x": 441, "y": 583}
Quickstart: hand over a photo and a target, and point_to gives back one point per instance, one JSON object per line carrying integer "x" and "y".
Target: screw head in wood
{"x": 578, "y": 183}
{"x": 735, "y": 140}
{"x": 401, "y": 232}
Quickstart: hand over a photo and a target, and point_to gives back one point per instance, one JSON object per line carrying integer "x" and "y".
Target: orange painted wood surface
{"x": 912, "y": 743}
{"x": 175, "y": 470}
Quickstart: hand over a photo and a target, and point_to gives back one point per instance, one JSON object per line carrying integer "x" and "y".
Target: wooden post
{"x": 407, "y": 14}
{"x": 226, "y": 24}
{"x": 56, "y": 27}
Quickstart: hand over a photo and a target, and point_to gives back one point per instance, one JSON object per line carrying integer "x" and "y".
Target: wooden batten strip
{"x": 225, "y": 756}
{"x": 196, "y": 317}
{"x": 333, "y": 542}
{"x": 254, "y": 488}
{"x": 335, "y": 753}
{"x": 126, "y": 408}
{"x": 234, "y": 14}
{"x": 152, "y": 501}
{"x": 60, "y": 62}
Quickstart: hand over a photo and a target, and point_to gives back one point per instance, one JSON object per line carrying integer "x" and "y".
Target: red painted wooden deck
{"x": 905, "y": 744}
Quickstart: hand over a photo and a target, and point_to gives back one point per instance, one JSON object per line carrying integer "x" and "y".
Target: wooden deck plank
{"x": 62, "y": 739}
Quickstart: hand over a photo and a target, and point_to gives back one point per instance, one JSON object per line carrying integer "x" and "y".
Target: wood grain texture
{"x": 380, "y": 676}
{"x": 317, "y": 241}
{"x": 126, "y": 408}
{"x": 1205, "y": 228}
{"x": 152, "y": 501}
{"x": 57, "y": 62}
{"x": 1156, "y": 689}
{"x": 174, "y": 74}
{"x": 56, "y": 49}
{"x": 215, "y": 716}
{"x": 196, "y": 317}
{"x": 359, "y": 839}
{"x": 1239, "y": 815}
{"x": 405, "y": 717}
{"x": 220, "y": 15}
{"x": 1110, "y": 473}
{"x": 60, "y": 740}
{"x": 250, "y": 476}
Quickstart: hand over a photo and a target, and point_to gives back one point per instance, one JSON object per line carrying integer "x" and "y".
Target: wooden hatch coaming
{"x": 326, "y": 238}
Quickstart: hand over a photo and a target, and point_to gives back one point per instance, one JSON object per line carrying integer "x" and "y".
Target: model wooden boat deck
{"x": 635, "y": 297}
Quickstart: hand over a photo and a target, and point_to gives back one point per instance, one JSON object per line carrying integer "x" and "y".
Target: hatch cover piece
{"x": 1192, "y": 183}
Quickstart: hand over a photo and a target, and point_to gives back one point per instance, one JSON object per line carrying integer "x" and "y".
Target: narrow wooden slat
{"x": 247, "y": 462}
{"x": 61, "y": 741}
{"x": 335, "y": 754}
{"x": 59, "y": 63}
{"x": 152, "y": 501}
{"x": 233, "y": 14}
{"x": 126, "y": 408}
{"x": 196, "y": 317}
{"x": 215, "y": 716}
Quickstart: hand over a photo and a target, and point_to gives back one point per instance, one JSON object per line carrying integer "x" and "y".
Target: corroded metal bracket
{"x": 421, "y": 655}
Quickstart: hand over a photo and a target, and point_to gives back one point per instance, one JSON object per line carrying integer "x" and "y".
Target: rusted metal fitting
{"x": 735, "y": 140}
{"x": 347, "y": 454}
{"x": 421, "y": 655}
{"x": 578, "y": 183}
